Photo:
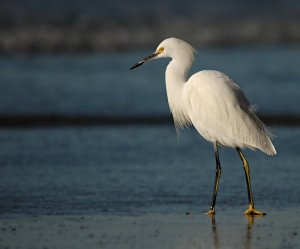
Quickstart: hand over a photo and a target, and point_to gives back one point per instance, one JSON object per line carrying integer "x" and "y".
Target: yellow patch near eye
{"x": 160, "y": 50}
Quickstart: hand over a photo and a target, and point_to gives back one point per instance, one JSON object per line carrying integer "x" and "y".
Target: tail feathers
{"x": 266, "y": 145}
{"x": 269, "y": 149}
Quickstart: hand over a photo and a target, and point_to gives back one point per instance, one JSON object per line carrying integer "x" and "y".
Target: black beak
{"x": 144, "y": 60}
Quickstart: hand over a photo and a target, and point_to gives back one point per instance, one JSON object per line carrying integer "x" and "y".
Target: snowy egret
{"x": 215, "y": 105}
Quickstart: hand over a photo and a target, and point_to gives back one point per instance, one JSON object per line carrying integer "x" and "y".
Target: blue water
{"x": 137, "y": 168}
{"x": 103, "y": 85}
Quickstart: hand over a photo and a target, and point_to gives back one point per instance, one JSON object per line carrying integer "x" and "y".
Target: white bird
{"x": 215, "y": 105}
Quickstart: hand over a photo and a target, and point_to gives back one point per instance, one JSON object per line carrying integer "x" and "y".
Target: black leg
{"x": 217, "y": 179}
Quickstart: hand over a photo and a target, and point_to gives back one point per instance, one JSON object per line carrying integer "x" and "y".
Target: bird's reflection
{"x": 250, "y": 224}
{"x": 248, "y": 232}
{"x": 214, "y": 232}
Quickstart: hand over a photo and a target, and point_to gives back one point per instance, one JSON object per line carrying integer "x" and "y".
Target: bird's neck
{"x": 176, "y": 78}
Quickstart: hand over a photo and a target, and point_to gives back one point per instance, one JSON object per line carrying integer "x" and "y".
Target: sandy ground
{"x": 279, "y": 229}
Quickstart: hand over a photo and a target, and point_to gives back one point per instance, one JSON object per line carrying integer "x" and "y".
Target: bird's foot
{"x": 211, "y": 212}
{"x": 252, "y": 211}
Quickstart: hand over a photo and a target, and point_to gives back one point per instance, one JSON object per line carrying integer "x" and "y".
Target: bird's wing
{"x": 221, "y": 113}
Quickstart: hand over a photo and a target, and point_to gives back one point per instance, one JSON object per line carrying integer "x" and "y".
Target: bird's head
{"x": 171, "y": 47}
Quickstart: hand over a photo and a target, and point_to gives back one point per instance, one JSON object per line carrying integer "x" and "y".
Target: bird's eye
{"x": 160, "y": 50}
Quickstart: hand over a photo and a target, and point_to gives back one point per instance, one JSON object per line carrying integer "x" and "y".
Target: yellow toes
{"x": 211, "y": 212}
{"x": 252, "y": 211}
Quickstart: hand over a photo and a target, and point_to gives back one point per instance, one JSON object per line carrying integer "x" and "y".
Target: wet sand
{"x": 229, "y": 229}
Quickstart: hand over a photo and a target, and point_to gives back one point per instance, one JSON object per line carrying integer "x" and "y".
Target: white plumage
{"x": 214, "y": 104}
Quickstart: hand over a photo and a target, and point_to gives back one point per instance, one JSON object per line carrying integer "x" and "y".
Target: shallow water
{"x": 136, "y": 169}
{"x": 131, "y": 187}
